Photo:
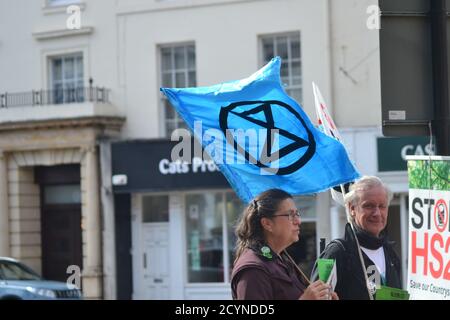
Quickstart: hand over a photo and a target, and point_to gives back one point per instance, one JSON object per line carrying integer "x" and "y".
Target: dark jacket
{"x": 256, "y": 277}
{"x": 350, "y": 276}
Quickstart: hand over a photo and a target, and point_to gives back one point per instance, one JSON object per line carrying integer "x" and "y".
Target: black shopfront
{"x": 146, "y": 166}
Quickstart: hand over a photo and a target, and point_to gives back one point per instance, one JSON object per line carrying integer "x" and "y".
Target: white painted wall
{"x": 355, "y": 49}
{"x": 226, "y": 40}
{"x": 121, "y": 51}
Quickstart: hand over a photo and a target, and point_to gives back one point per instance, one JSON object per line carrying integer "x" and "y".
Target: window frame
{"x": 50, "y": 77}
{"x": 50, "y": 8}
{"x": 161, "y": 100}
{"x": 289, "y": 35}
{"x": 225, "y": 247}
{"x": 48, "y": 55}
{"x": 60, "y": 3}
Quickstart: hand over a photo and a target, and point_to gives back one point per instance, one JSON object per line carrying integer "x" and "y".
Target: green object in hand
{"x": 325, "y": 266}
{"x": 388, "y": 293}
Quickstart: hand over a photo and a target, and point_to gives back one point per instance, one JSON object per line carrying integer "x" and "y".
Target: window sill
{"x": 52, "y": 34}
{"x": 62, "y": 8}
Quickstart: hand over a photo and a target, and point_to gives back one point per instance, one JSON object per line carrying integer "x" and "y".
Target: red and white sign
{"x": 326, "y": 124}
{"x": 429, "y": 241}
{"x": 323, "y": 116}
{"x": 429, "y": 245}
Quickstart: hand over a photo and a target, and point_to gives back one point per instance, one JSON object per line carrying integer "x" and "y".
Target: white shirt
{"x": 377, "y": 256}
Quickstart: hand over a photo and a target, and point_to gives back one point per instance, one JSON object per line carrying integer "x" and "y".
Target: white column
{"x": 334, "y": 221}
{"x": 92, "y": 270}
{"x": 108, "y": 240}
{"x": 323, "y": 228}
{"x": 178, "y": 263}
{"x": 4, "y": 210}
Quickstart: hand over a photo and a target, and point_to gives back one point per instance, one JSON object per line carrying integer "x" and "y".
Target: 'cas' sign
{"x": 392, "y": 152}
{"x": 429, "y": 227}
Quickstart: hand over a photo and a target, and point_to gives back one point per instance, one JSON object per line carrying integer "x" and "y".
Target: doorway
{"x": 150, "y": 225}
{"x": 61, "y": 230}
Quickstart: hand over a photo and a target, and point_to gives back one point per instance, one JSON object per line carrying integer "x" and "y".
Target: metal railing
{"x": 58, "y": 96}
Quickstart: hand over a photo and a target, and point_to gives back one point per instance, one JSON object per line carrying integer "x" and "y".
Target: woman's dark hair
{"x": 249, "y": 230}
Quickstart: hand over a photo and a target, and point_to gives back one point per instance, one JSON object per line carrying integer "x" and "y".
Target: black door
{"x": 61, "y": 240}
{"x": 60, "y": 220}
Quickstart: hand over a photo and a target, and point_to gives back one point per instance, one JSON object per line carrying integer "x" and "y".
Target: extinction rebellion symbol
{"x": 302, "y": 148}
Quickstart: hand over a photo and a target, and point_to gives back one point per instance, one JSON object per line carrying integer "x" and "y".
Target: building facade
{"x": 92, "y": 135}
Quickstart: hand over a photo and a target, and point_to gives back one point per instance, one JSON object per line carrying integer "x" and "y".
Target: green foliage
{"x": 424, "y": 174}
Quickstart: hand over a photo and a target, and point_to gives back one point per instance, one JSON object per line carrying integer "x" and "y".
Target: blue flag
{"x": 260, "y": 138}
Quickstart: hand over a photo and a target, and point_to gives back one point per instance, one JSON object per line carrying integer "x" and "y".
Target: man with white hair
{"x": 367, "y": 204}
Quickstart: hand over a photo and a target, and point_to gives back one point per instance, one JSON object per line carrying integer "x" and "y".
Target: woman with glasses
{"x": 367, "y": 203}
{"x": 262, "y": 268}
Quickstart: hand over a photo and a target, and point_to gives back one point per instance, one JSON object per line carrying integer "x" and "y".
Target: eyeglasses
{"x": 291, "y": 215}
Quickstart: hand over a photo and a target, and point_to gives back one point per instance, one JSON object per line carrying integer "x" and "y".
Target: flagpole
{"x": 330, "y": 129}
{"x": 305, "y": 278}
